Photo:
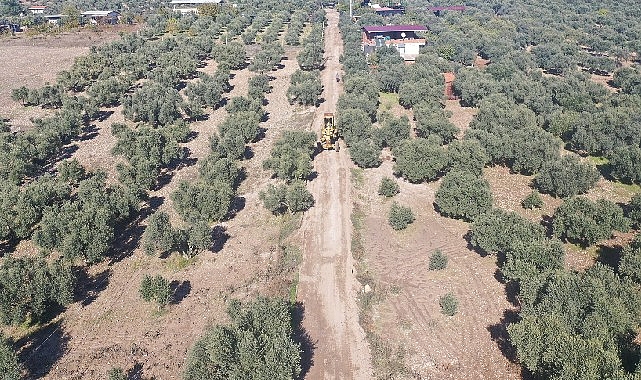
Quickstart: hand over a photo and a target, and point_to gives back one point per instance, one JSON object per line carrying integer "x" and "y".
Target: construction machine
{"x": 329, "y": 133}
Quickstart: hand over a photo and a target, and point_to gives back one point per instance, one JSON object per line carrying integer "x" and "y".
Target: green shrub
{"x": 158, "y": 237}
{"x": 532, "y": 201}
{"x": 634, "y": 210}
{"x": 582, "y": 221}
{"x": 449, "y": 304}
{"x": 9, "y": 366}
{"x": 630, "y": 264}
{"x": 400, "y": 217}
{"x": 388, "y": 187}
{"x": 116, "y": 373}
{"x": 566, "y": 177}
{"x": 419, "y": 160}
{"x": 155, "y": 289}
{"x": 463, "y": 195}
{"x": 438, "y": 260}
{"x": 365, "y": 153}
{"x": 257, "y": 344}
{"x": 292, "y": 197}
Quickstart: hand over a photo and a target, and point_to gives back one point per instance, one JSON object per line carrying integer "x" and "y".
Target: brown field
{"x": 406, "y": 314}
{"x": 108, "y": 325}
{"x": 34, "y": 61}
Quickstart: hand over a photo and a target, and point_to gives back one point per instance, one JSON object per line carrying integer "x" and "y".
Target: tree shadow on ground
{"x": 547, "y": 221}
{"x": 237, "y": 205}
{"x": 8, "y": 246}
{"x": 261, "y": 133}
{"x": 103, "y": 115}
{"x": 179, "y": 290}
{"x": 301, "y": 336}
{"x": 511, "y": 287}
{"x": 128, "y": 235}
{"x": 88, "y": 287}
{"x": 42, "y": 349}
{"x": 468, "y": 239}
{"x": 135, "y": 372}
{"x": 89, "y": 132}
{"x": 248, "y": 154}
{"x": 219, "y": 237}
{"x": 610, "y": 256}
{"x": 498, "y": 333}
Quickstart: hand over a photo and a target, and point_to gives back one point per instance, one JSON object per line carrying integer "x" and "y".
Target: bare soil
{"x": 461, "y": 116}
{"x": 407, "y": 316}
{"x": 466, "y": 346}
{"x": 328, "y": 286}
{"x": 34, "y": 61}
{"x": 109, "y": 325}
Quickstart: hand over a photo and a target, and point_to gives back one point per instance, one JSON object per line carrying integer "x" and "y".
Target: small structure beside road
{"x": 403, "y": 37}
{"x": 101, "y": 17}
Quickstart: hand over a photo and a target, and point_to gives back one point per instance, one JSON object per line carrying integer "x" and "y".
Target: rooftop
{"x": 98, "y": 13}
{"x": 38, "y": 7}
{"x": 394, "y": 28}
{"x": 195, "y": 1}
{"x": 448, "y": 8}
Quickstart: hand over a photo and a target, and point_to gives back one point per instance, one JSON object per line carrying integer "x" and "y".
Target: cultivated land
{"x": 109, "y": 326}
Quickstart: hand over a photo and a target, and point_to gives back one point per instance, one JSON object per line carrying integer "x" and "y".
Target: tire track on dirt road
{"x": 328, "y": 286}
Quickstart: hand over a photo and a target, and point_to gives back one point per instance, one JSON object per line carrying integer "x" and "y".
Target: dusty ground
{"x": 328, "y": 286}
{"x": 109, "y": 325}
{"x": 438, "y": 347}
{"x": 461, "y": 116}
{"x": 33, "y": 61}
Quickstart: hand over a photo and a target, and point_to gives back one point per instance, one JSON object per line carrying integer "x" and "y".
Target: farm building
{"x": 386, "y": 11}
{"x": 403, "y": 37}
{"x": 37, "y": 9}
{"x": 101, "y": 17}
{"x": 54, "y": 19}
{"x": 438, "y": 11}
{"x": 191, "y": 6}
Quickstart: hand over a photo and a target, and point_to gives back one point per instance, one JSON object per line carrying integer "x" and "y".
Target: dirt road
{"x": 328, "y": 287}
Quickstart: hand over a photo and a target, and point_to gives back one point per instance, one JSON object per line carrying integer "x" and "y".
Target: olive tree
{"x": 419, "y": 160}
{"x": 463, "y": 195}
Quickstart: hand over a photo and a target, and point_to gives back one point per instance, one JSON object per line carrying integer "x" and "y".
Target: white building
{"x": 37, "y": 9}
{"x": 403, "y": 37}
{"x": 191, "y": 6}
{"x": 54, "y": 19}
{"x": 101, "y": 17}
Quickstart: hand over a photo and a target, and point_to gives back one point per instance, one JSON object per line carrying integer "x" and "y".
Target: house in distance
{"x": 101, "y": 17}
{"x": 191, "y": 6}
{"x": 403, "y": 37}
{"x": 37, "y": 9}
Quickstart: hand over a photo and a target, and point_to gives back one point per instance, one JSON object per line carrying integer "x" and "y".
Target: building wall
{"x": 412, "y": 49}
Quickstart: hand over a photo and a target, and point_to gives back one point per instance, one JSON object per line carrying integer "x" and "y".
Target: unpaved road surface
{"x": 328, "y": 287}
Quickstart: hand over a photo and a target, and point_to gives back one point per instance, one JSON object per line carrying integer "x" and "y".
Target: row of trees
{"x": 571, "y": 324}
{"x": 75, "y": 215}
{"x": 568, "y": 325}
{"x": 258, "y": 343}
{"x": 306, "y": 86}
{"x": 291, "y": 162}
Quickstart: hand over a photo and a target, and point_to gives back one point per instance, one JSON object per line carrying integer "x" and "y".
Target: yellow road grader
{"x": 329, "y": 133}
